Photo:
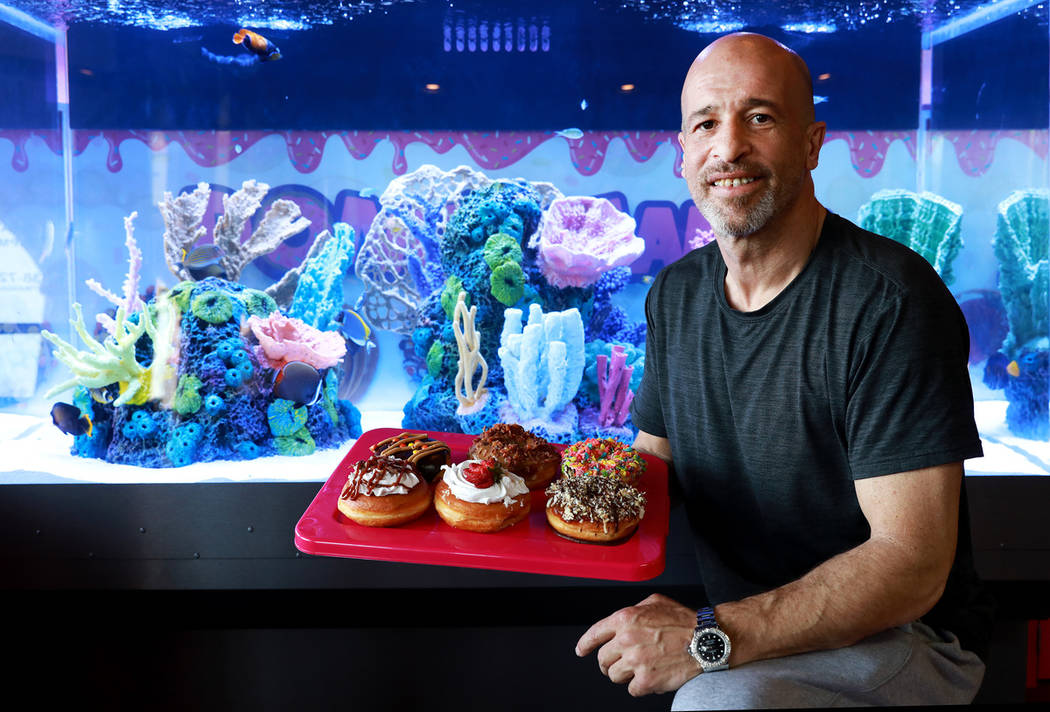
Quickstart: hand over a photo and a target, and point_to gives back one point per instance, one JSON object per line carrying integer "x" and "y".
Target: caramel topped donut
{"x": 606, "y": 457}
{"x": 518, "y": 450}
{"x": 383, "y": 492}
{"x": 591, "y": 509}
{"x": 427, "y": 454}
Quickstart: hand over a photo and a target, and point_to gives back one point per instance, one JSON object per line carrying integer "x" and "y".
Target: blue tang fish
{"x": 204, "y": 261}
{"x": 258, "y": 45}
{"x": 69, "y": 419}
{"x": 354, "y": 328}
{"x": 298, "y": 382}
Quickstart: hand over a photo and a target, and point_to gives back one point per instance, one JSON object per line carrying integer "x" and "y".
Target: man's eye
{"x": 761, "y": 119}
{"x": 706, "y": 125}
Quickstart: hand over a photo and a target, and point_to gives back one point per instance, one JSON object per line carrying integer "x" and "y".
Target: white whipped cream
{"x": 505, "y": 489}
{"x": 388, "y": 483}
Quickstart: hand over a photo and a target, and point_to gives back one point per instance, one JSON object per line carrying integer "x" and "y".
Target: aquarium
{"x": 450, "y": 212}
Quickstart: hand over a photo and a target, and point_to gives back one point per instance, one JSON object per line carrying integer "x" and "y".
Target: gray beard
{"x": 735, "y": 225}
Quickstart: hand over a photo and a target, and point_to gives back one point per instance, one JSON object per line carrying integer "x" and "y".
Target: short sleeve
{"x": 910, "y": 402}
{"x": 647, "y": 408}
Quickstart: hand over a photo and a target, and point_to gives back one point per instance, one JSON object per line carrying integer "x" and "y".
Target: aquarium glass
{"x": 356, "y": 165}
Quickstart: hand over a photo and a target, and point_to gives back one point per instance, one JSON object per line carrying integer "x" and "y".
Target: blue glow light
{"x": 810, "y": 27}
{"x": 24, "y": 21}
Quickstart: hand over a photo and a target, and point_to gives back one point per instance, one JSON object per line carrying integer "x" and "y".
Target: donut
{"x": 422, "y": 451}
{"x": 518, "y": 450}
{"x": 606, "y": 457}
{"x": 481, "y": 496}
{"x": 383, "y": 492}
{"x": 594, "y": 510}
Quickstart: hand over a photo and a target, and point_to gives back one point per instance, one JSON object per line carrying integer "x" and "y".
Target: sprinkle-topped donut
{"x": 606, "y": 457}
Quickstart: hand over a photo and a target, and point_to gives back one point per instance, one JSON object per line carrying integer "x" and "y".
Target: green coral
{"x": 435, "y": 358}
{"x": 258, "y": 303}
{"x": 212, "y": 307}
{"x": 449, "y": 295}
{"x": 508, "y": 283}
{"x": 284, "y": 418}
{"x": 180, "y": 294}
{"x": 187, "y": 395}
{"x": 331, "y": 394}
{"x": 500, "y": 248}
{"x": 925, "y": 222}
{"x": 1021, "y": 249}
{"x": 298, "y": 444}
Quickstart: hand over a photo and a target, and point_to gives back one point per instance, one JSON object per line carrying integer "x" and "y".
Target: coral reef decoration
{"x": 925, "y": 222}
{"x": 468, "y": 344}
{"x": 399, "y": 260}
{"x": 582, "y": 237}
{"x": 283, "y": 339}
{"x": 107, "y": 362}
{"x": 130, "y": 300}
{"x": 542, "y": 360}
{"x": 1021, "y": 248}
{"x": 318, "y": 299}
{"x": 614, "y": 387}
{"x": 183, "y": 217}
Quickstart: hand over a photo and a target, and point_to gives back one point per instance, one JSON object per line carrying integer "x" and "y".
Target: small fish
{"x": 570, "y": 133}
{"x": 258, "y": 45}
{"x": 1014, "y": 369}
{"x": 69, "y": 419}
{"x": 204, "y": 261}
{"x": 298, "y": 382}
{"x": 583, "y": 105}
{"x": 354, "y": 328}
{"x": 101, "y": 395}
{"x": 819, "y": 99}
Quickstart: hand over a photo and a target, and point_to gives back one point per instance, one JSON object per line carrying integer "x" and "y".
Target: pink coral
{"x": 283, "y": 339}
{"x": 582, "y": 237}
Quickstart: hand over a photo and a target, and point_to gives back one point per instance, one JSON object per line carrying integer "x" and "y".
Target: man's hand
{"x": 644, "y": 645}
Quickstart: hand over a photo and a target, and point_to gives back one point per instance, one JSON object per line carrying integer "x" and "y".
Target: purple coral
{"x": 614, "y": 388}
{"x": 582, "y": 237}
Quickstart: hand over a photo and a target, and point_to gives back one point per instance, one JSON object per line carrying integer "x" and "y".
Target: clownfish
{"x": 257, "y": 45}
{"x": 298, "y": 382}
{"x": 69, "y": 419}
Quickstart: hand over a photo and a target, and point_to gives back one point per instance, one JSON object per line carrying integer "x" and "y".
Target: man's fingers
{"x": 598, "y": 634}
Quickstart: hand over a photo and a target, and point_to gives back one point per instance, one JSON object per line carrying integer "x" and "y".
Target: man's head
{"x": 748, "y": 133}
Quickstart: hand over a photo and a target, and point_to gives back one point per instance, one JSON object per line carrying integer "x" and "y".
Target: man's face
{"x": 746, "y": 138}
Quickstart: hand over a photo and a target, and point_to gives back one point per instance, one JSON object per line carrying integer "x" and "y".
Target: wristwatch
{"x": 710, "y": 646}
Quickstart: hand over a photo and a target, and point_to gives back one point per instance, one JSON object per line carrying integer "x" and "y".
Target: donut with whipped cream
{"x": 481, "y": 496}
{"x": 606, "y": 457}
{"x": 524, "y": 453}
{"x": 383, "y": 491}
{"x": 594, "y": 510}
{"x": 424, "y": 452}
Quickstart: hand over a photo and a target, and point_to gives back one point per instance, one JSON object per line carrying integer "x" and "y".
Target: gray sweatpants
{"x": 909, "y": 665}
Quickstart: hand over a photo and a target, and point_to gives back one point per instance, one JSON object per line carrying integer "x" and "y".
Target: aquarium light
{"x": 277, "y": 23}
{"x": 28, "y": 23}
{"x": 977, "y": 19}
{"x": 809, "y": 28}
{"x": 711, "y": 27}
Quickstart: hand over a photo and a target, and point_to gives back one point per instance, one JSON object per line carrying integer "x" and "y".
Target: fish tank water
{"x": 447, "y": 214}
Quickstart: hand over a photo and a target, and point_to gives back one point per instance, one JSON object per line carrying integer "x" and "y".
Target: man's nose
{"x": 731, "y": 142}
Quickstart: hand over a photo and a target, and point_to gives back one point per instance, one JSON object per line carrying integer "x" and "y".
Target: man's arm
{"x": 894, "y": 577}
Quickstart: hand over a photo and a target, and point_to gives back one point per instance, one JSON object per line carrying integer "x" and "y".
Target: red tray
{"x": 530, "y": 546}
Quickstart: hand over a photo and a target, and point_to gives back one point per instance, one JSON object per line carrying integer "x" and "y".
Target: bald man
{"x": 807, "y": 382}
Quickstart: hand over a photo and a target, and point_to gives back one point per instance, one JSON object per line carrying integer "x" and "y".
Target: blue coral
{"x": 182, "y": 448}
{"x": 318, "y": 298}
{"x": 284, "y": 418}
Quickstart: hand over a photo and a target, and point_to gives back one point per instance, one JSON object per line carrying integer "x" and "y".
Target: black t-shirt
{"x": 856, "y": 369}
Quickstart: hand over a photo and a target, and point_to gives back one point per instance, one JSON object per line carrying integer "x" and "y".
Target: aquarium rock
{"x": 318, "y": 296}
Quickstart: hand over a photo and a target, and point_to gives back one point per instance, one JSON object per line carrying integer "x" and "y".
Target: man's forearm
{"x": 858, "y": 593}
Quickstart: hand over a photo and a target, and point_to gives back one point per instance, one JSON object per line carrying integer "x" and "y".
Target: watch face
{"x": 710, "y": 647}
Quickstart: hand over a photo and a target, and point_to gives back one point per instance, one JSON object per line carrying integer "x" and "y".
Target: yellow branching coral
{"x": 468, "y": 342}
{"x": 109, "y": 361}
